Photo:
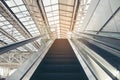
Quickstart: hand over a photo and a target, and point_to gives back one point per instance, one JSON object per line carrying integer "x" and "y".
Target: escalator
{"x": 60, "y": 63}
{"x": 112, "y": 59}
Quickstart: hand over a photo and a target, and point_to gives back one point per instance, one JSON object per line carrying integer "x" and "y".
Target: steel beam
{"x": 108, "y": 20}
{"x": 74, "y": 15}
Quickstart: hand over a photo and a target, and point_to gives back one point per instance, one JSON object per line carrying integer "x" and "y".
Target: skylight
{"x": 59, "y": 13}
{"x": 20, "y": 10}
{"x": 52, "y": 13}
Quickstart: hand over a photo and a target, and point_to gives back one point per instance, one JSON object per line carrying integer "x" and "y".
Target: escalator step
{"x": 60, "y": 68}
{"x": 60, "y": 76}
{"x": 60, "y": 63}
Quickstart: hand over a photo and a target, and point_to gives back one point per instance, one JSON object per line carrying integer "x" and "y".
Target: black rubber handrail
{"x": 9, "y": 47}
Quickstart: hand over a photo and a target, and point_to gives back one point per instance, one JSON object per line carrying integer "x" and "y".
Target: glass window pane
{"x": 68, "y": 2}
{"x": 50, "y": 19}
{"x": 54, "y": 1}
{"x": 22, "y": 8}
{"x": 55, "y": 7}
{"x": 66, "y": 8}
{"x": 15, "y": 9}
{"x": 56, "y": 17}
{"x": 46, "y": 2}
{"x": 10, "y": 3}
{"x": 18, "y": 2}
{"x": 48, "y": 9}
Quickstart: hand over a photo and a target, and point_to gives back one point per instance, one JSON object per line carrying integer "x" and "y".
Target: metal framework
{"x": 24, "y": 19}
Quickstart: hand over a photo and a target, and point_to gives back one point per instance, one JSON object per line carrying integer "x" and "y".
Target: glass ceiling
{"x": 8, "y": 28}
{"x": 20, "y": 10}
{"x": 59, "y": 14}
{"x": 28, "y": 21}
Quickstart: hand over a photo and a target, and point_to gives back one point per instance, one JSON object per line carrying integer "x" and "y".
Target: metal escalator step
{"x": 60, "y": 76}
{"x": 60, "y": 63}
{"x": 60, "y": 68}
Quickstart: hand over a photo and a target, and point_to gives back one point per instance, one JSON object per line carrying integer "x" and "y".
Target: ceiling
{"x": 59, "y": 15}
{"x": 23, "y": 19}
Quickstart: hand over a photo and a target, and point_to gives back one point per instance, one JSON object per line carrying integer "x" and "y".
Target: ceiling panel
{"x": 66, "y": 8}
{"x": 67, "y": 2}
{"x": 65, "y": 13}
{"x": 65, "y": 18}
{"x": 65, "y": 22}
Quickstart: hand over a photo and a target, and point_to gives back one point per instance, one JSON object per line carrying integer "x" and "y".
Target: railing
{"x": 25, "y": 71}
{"x": 97, "y": 64}
{"x": 110, "y": 44}
{"x": 110, "y": 41}
{"x": 9, "y": 47}
{"x": 84, "y": 65}
{"x": 13, "y": 56}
